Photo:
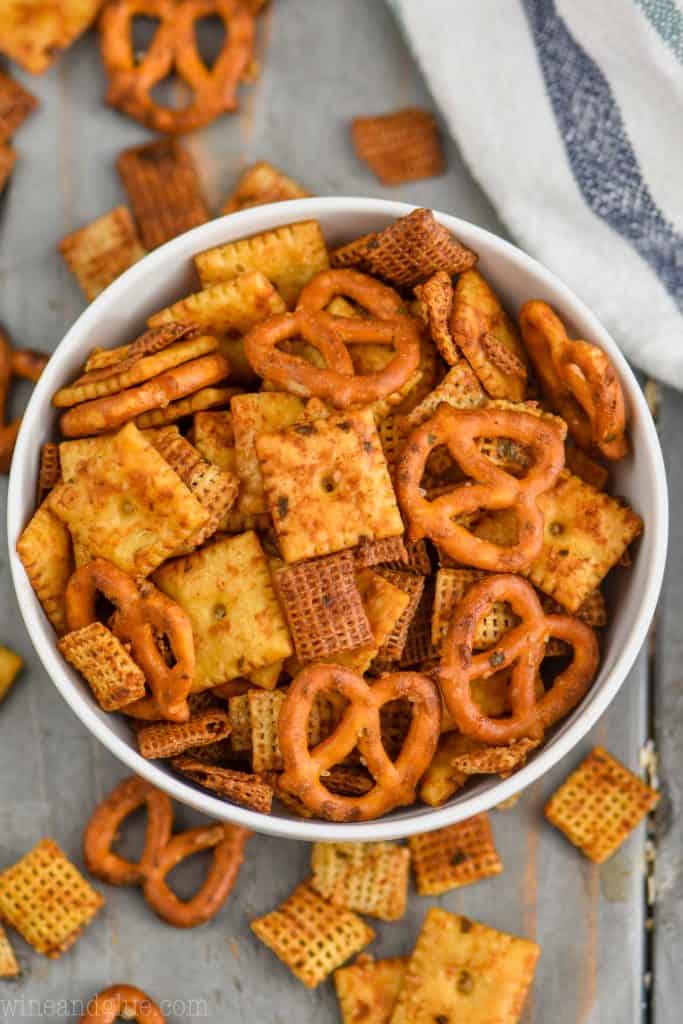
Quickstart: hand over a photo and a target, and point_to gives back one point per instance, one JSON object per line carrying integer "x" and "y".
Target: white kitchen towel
{"x": 570, "y": 115}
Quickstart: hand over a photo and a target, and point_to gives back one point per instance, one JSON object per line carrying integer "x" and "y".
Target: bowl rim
{"x": 258, "y": 219}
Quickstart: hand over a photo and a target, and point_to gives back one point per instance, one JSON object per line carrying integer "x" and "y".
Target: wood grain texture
{"x": 325, "y": 63}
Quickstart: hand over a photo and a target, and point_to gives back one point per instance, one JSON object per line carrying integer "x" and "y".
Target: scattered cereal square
{"x": 399, "y": 147}
{"x": 97, "y": 253}
{"x": 370, "y": 878}
{"x": 454, "y": 856}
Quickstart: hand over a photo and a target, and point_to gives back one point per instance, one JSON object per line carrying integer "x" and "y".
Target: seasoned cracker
{"x": 163, "y": 190}
{"x": 310, "y": 936}
{"x": 457, "y": 855}
{"x": 8, "y": 158}
{"x": 9, "y": 968}
{"x": 459, "y": 388}
{"x": 267, "y": 677}
{"x": 33, "y": 34}
{"x": 387, "y": 605}
{"x": 585, "y": 467}
{"x": 413, "y": 586}
{"x": 488, "y": 338}
{"x": 414, "y": 248}
{"x": 122, "y": 501}
{"x": 105, "y": 664}
{"x": 97, "y": 253}
{"x": 205, "y": 398}
{"x": 10, "y": 665}
{"x": 370, "y": 878}
{"x": 442, "y": 780}
{"x": 16, "y": 103}
{"x": 435, "y": 301}
{"x": 168, "y": 739}
{"x": 599, "y": 805}
{"x": 46, "y": 899}
{"x": 289, "y": 256}
{"x": 214, "y": 437}
{"x": 327, "y": 485}
{"x": 241, "y": 788}
{"x": 234, "y": 305}
{"x": 253, "y": 415}
{"x": 323, "y": 606}
{"x": 367, "y": 989}
{"x": 262, "y": 183}
{"x": 46, "y": 553}
{"x": 461, "y": 970}
{"x": 227, "y": 592}
{"x": 399, "y": 147}
{"x": 49, "y": 471}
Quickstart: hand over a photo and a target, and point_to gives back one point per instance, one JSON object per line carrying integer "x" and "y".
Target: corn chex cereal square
{"x": 454, "y": 856}
{"x": 122, "y": 501}
{"x": 106, "y": 665}
{"x": 327, "y": 485}
{"x": 311, "y": 936}
{"x": 98, "y": 252}
{"x": 367, "y": 989}
{"x": 599, "y": 805}
{"x": 370, "y": 878}
{"x": 227, "y": 592}
{"x": 461, "y": 970}
{"x": 46, "y": 899}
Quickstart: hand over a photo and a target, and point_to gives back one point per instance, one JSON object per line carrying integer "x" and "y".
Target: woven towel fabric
{"x": 570, "y": 115}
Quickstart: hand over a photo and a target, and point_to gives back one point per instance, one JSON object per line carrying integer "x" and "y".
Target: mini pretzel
{"x": 174, "y": 48}
{"x": 103, "y": 828}
{"x": 142, "y": 614}
{"x": 122, "y": 1001}
{"x": 395, "y": 781}
{"x": 523, "y": 648}
{"x": 14, "y": 363}
{"x": 227, "y": 843}
{"x": 102, "y": 414}
{"x": 337, "y": 382}
{"x": 381, "y": 301}
{"x": 578, "y": 379}
{"x": 493, "y": 488}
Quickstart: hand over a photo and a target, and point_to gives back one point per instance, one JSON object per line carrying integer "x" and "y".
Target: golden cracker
{"x": 253, "y": 415}
{"x": 45, "y": 550}
{"x": 9, "y": 968}
{"x": 34, "y": 35}
{"x": 205, "y": 398}
{"x": 367, "y": 989}
{"x": 228, "y": 306}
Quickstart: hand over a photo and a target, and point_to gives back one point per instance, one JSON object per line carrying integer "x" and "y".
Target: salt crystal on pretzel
{"x": 47, "y": 900}
{"x": 457, "y": 855}
{"x": 243, "y": 788}
{"x": 367, "y": 989}
{"x": 105, "y": 664}
{"x": 399, "y": 147}
{"x": 99, "y": 252}
{"x": 45, "y": 550}
{"x": 224, "y": 588}
{"x": 163, "y": 190}
{"x": 262, "y": 183}
{"x": 35, "y": 37}
{"x": 370, "y": 878}
{"x": 168, "y": 739}
{"x": 310, "y": 936}
{"x": 289, "y": 256}
{"x": 488, "y": 338}
{"x": 599, "y": 805}
{"x": 16, "y": 103}
{"x": 488, "y": 973}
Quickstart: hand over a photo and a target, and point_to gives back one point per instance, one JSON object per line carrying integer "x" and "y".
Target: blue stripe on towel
{"x": 667, "y": 20}
{"x": 600, "y": 153}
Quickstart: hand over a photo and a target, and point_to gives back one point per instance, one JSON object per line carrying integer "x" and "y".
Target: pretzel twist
{"x": 142, "y": 614}
{"x": 395, "y": 781}
{"x": 337, "y": 382}
{"x": 522, "y": 648}
{"x": 122, "y": 1001}
{"x": 174, "y": 49}
{"x": 492, "y": 487}
{"x": 162, "y": 852}
{"x": 579, "y": 379}
{"x": 14, "y": 362}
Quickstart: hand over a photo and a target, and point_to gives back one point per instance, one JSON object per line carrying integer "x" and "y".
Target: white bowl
{"x": 119, "y": 314}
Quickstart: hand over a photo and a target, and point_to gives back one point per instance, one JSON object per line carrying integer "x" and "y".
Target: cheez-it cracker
{"x": 367, "y": 989}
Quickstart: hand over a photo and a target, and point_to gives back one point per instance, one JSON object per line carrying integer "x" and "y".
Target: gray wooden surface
{"x": 323, "y": 62}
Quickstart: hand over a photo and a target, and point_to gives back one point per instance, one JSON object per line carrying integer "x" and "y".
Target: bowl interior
{"x": 119, "y": 314}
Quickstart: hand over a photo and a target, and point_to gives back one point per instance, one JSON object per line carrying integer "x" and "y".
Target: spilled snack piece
{"x": 105, "y": 664}
{"x": 262, "y": 183}
{"x": 9, "y": 968}
{"x": 599, "y": 805}
{"x": 123, "y": 1001}
{"x": 289, "y": 256}
{"x": 46, "y": 552}
{"x": 174, "y": 50}
{"x": 16, "y": 103}
{"x": 464, "y": 970}
{"x": 97, "y": 253}
{"x": 163, "y": 190}
{"x": 367, "y": 989}
{"x": 311, "y": 936}
{"x": 47, "y": 900}
{"x": 451, "y": 857}
{"x": 399, "y": 147}
{"x": 248, "y": 790}
{"x": 35, "y": 37}
{"x": 370, "y": 878}
{"x": 8, "y": 158}
{"x": 10, "y": 666}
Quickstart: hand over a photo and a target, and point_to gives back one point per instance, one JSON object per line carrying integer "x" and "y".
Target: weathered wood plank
{"x": 325, "y": 63}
